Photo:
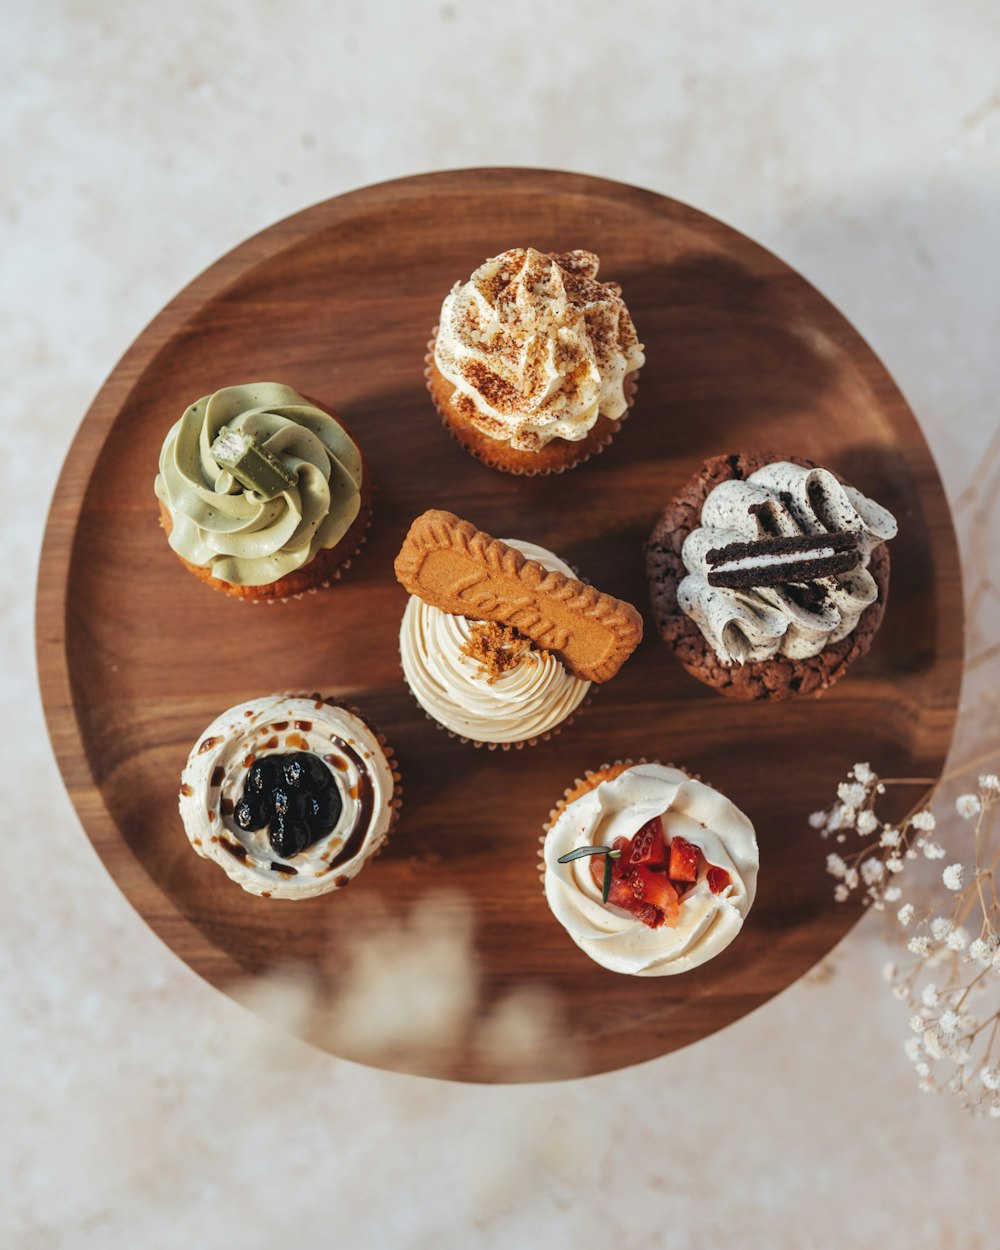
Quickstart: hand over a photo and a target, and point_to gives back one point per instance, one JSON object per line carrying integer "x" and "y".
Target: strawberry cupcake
{"x": 650, "y": 871}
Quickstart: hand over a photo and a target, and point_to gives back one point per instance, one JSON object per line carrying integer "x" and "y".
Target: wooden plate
{"x": 442, "y": 958}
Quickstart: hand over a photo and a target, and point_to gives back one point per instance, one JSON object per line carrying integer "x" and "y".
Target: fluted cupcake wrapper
{"x": 631, "y": 387}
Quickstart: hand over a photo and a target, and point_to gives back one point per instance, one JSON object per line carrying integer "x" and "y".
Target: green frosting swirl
{"x": 219, "y": 525}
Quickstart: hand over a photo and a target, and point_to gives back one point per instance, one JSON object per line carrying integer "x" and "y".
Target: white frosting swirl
{"x": 216, "y": 771}
{"x": 619, "y": 808}
{"x": 780, "y": 500}
{"x": 536, "y": 347}
{"x": 527, "y": 700}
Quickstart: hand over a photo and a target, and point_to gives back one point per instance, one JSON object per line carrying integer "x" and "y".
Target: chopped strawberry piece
{"x": 620, "y": 895}
{"x": 648, "y": 847}
{"x": 684, "y": 860}
{"x": 654, "y": 889}
{"x": 718, "y": 879}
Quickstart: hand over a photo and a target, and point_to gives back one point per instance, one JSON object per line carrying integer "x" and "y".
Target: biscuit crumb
{"x": 498, "y": 648}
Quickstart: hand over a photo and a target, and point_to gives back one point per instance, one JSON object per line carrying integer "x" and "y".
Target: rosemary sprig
{"x": 609, "y": 854}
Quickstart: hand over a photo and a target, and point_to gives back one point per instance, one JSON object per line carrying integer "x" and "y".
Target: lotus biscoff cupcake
{"x": 290, "y": 795}
{"x": 650, "y": 871}
{"x": 534, "y": 363}
{"x": 499, "y": 641}
{"x": 769, "y": 577}
{"x": 263, "y": 494}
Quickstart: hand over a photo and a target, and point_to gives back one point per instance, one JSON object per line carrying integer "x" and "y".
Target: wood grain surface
{"x": 442, "y": 958}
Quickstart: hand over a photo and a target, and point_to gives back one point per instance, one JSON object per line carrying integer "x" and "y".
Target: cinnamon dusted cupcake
{"x": 769, "y": 577}
{"x": 290, "y": 794}
{"x": 263, "y": 494}
{"x": 499, "y": 641}
{"x": 534, "y": 363}
{"x": 650, "y": 871}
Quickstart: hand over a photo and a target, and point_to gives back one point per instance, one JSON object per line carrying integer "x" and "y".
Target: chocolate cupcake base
{"x": 778, "y": 678}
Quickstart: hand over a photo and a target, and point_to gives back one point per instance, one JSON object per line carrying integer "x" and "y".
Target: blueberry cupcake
{"x": 500, "y": 642}
{"x": 263, "y": 494}
{"x": 290, "y": 795}
{"x": 650, "y": 871}
{"x": 769, "y": 577}
{"x": 534, "y": 363}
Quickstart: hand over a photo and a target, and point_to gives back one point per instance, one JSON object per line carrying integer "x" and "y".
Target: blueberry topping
{"x": 294, "y": 796}
{"x": 251, "y": 813}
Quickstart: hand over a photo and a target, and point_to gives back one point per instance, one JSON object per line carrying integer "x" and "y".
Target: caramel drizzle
{"x": 366, "y": 805}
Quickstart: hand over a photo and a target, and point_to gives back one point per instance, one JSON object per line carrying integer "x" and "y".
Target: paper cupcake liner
{"x": 630, "y": 389}
{"x": 332, "y": 578}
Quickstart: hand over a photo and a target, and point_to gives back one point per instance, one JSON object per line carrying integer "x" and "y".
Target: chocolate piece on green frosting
{"x": 241, "y": 537}
{"x": 253, "y": 466}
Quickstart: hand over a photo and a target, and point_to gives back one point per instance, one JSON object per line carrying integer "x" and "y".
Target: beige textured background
{"x": 861, "y": 142}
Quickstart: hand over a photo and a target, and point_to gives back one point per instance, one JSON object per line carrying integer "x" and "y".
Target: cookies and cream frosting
{"x": 215, "y": 775}
{"x": 796, "y": 619}
{"x": 242, "y": 538}
{"x": 707, "y": 922}
{"x": 526, "y": 700}
{"x": 536, "y": 347}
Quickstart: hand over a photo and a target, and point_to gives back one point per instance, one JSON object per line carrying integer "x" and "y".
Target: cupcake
{"x": 263, "y": 494}
{"x": 768, "y": 577}
{"x": 499, "y": 640}
{"x": 290, "y": 794}
{"x": 649, "y": 871}
{"x": 534, "y": 362}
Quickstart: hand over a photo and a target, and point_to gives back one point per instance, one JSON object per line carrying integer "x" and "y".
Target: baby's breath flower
{"x": 952, "y": 877}
{"x": 918, "y": 946}
{"x": 995, "y": 1108}
{"x": 835, "y": 865}
{"x": 949, "y": 1023}
{"x": 990, "y": 783}
{"x": 924, "y": 820}
{"x": 913, "y": 1049}
{"x": 890, "y": 836}
{"x": 957, "y": 939}
{"x": 817, "y": 820}
{"x": 932, "y": 1043}
{"x": 872, "y": 871}
{"x": 932, "y": 850}
{"x": 968, "y": 806}
{"x": 894, "y": 864}
{"x": 889, "y": 971}
{"x": 941, "y": 926}
{"x": 892, "y": 893}
{"x": 918, "y": 1024}
{"x": 841, "y": 894}
{"x": 905, "y": 914}
{"x": 864, "y": 774}
{"x": 980, "y": 951}
{"x": 851, "y": 795}
{"x": 990, "y": 1077}
{"x": 851, "y": 878}
{"x": 867, "y": 822}
{"x": 929, "y": 996}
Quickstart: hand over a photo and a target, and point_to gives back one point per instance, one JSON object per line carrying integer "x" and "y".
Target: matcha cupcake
{"x": 263, "y": 494}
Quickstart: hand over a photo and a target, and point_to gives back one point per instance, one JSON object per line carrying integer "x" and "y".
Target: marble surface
{"x": 862, "y": 143}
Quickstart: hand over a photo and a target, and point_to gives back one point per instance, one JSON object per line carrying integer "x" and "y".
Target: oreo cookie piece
{"x": 779, "y": 561}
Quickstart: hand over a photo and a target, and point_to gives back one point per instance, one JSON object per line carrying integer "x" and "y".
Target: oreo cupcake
{"x": 650, "y": 871}
{"x": 263, "y": 494}
{"x": 290, "y": 795}
{"x": 769, "y": 577}
{"x": 533, "y": 365}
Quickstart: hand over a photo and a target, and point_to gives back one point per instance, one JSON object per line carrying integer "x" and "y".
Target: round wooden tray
{"x": 442, "y": 958}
